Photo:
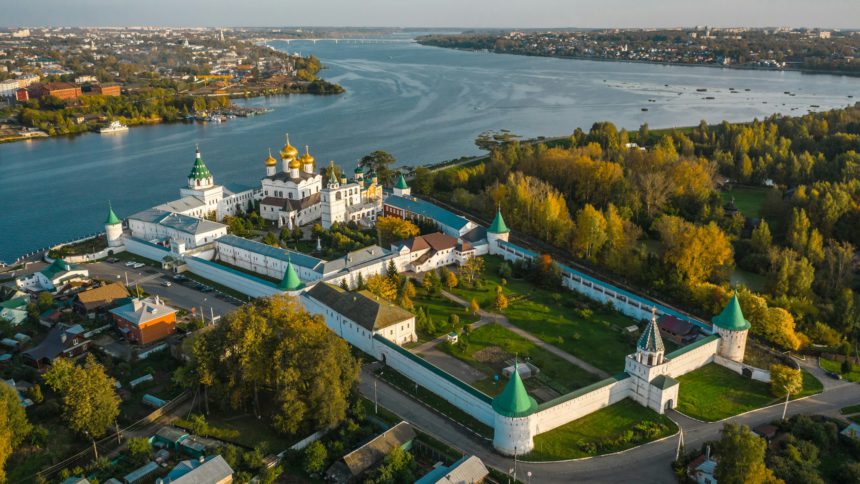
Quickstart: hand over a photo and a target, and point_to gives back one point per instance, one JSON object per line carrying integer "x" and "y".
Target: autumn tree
{"x": 274, "y": 348}
{"x": 451, "y": 280}
{"x": 501, "y": 302}
{"x": 589, "y": 232}
{"x": 472, "y": 270}
{"x": 621, "y": 239}
{"x": 14, "y": 426}
{"x": 90, "y": 402}
{"x": 790, "y": 274}
{"x": 473, "y": 306}
{"x": 382, "y": 286}
{"x": 741, "y": 457}
{"x": 697, "y": 252}
{"x": 392, "y": 229}
{"x": 761, "y": 239}
{"x": 785, "y": 380}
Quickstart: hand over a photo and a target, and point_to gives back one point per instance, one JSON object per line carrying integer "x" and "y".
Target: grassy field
{"x": 714, "y": 392}
{"x": 439, "y": 309}
{"x": 578, "y": 326}
{"x": 480, "y": 349}
{"x": 850, "y": 410}
{"x": 748, "y": 200}
{"x": 836, "y": 367}
{"x": 617, "y": 427}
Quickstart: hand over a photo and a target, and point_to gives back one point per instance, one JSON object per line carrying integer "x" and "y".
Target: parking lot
{"x": 183, "y": 293}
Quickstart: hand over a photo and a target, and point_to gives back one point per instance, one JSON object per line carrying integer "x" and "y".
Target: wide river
{"x": 422, "y": 104}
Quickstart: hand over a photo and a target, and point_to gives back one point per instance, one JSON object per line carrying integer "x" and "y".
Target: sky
{"x": 432, "y": 13}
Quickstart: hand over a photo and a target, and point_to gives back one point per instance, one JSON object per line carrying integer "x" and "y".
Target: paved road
{"x": 503, "y": 321}
{"x": 649, "y": 463}
{"x": 178, "y": 295}
{"x": 150, "y": 280}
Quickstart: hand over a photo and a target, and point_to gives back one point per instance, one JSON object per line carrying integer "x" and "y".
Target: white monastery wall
{"x": 579, "y": 404}
{"x": 233, "y": 279}
{"x": 755, "y": 373}
{"x": 693, "y": 359}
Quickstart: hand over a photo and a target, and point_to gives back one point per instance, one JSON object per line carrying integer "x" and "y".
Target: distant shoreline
{"x": 659, "y": 63}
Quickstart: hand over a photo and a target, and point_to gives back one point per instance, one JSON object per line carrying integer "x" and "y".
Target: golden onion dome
{"x": 295, "y": 164}
{"x": 307, "y": 158}
{"x": 271, "y": 161}
{"x": 288, "y": 152}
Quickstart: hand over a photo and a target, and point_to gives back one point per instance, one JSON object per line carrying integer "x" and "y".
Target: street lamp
{"x": 95, "y": 449}
{"x": 202, "y": 315}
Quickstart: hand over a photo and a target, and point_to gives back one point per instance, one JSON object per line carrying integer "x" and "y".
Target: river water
{"x": 422, "y": 104}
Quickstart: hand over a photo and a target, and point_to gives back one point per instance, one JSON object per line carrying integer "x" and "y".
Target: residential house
{"x": 62, "y": 341}
{"x": 14, "y": 310}
{"x": 702, "y": 468}
{"x": 53, "y": 277}
{"x": 351, "y": 466}
{"x": 468, "y": 470}
{"x": 99, "y": 299}
{"x": 144, "y": 321}
{"x": 205, "y": 470}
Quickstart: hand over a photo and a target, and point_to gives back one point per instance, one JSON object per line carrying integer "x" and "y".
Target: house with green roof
{"x": 54, "y": 277}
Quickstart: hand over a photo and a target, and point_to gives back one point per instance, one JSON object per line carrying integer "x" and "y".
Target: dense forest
{"x": 647, "y": 207}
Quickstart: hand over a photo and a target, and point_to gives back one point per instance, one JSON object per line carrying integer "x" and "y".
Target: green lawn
{"x": 571, "y": 322}
{"x": 714, "y": 392}
{"x": 617, "y": 427}
{"x": 439, "y": 309}
{"x": 850, "y": 410}
{"x": 555, "y": 373}
{"x": 252, "y": 432}
{"x": 748, "y": 200}
{"x": 836, "y": 367}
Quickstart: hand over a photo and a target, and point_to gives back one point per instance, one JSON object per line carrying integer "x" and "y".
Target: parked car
{"x": 129, "y": 263}
{"x": 138, "y": 265}
{"x": 835, "y": 376}
{"x": 111, "y": 260}
{"x": 179, "y": 277}
{"x": 166, "y": 283}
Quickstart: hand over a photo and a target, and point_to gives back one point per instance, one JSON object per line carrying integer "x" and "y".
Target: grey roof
{"x": 285, "y": 176}
{"x": 140, "y": 311}
{"x": 664, "y": 381}
{"x": 297, "y": 258}
{"x": 213, "y": 469}
{"x": 182, "y": 223}
{"x": 183, "y": 204}
{"x": 427, "y": 209}
{"x": 366, "y": 309}
{"x": 356, "y": 260}
{"x": 289, "y": 204}
{"x": 465, "y": 471}
{"x": 55, "y": 342}
{"x": 141, "y": 472}
{"x": 476, "y": 234}
{"x": 374, "y": 451}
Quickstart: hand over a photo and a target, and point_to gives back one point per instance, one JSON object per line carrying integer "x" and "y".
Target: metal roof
{"x": 427, "y": 209}
{"x": 286, "y": 255}
{"x": 176, "y": 221}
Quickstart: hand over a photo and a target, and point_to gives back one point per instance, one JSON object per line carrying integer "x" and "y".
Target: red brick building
{"x": 110, "y": 89}
{"x": 59, "y": 90}
{"x": 145, "y": 321}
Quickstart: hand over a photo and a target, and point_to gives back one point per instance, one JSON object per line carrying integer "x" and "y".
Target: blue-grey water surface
{"x": 422, "y": 104}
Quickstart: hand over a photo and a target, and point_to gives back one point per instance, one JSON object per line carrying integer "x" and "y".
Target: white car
{"x": 129, "y": 263}
{"x": 138, "y": 265}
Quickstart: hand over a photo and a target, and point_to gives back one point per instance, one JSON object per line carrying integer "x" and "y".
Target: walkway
{"x": 501, "y": 320}
{"x": 646, "y": 464}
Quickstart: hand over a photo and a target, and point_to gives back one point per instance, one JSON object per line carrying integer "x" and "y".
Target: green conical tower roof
{"x": 731, "y": 317}
{"x": 498, "y": 226}
{"x": 514, "y": 401}
{"x": 651, "y": 340}
{"x": 199, "y": 170}
{"x": 401, "y": 183}
{"x": 291, "y": 281}
{"x": 112, "y": 219}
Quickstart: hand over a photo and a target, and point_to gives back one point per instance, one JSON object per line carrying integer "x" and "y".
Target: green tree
{"x": 380, "y": 162}
{"x": 140, "y": 449}
{"x": 14, "y": 427}
{"x": 90, "y": 402}
{"x": 761, "y": 238}
{"x": 45, "y": 301}
{"x": 785, "y": 380}
{"x": 472, "y": 270}
{"x": 589, "y": 233}
{"x": 741, "y": 458}
{"x": 315, "y": 457}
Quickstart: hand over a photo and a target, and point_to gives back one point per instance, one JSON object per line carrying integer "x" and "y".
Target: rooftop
{"x": 286, "y": 255}
{"x": 374, "y": 451}
{"x": 427, "y": 209}
{"x": 182, "y": 223}
{"x": 366, "y": 309}
{"x": 731, "y": 317}
{"x": 514, "y": 401}
{"x": 142, "y": 311}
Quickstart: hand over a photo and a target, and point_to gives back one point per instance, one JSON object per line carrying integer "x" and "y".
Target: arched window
{"x": 337, "y": 196}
